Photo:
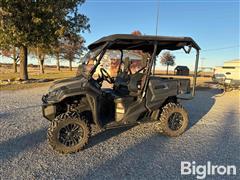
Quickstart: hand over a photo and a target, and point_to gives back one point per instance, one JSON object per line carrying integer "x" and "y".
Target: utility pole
{"x": 158, "y": 5}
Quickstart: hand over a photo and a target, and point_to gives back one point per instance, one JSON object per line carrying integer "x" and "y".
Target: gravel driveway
{"x": 126, "y": 153}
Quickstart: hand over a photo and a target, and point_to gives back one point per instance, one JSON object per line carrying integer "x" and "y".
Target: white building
{"x": 232, "y": 63}
{"x": 230, "y": 70}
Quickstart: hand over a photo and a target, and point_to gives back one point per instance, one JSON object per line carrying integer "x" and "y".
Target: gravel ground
{"x": 126, "y": 153}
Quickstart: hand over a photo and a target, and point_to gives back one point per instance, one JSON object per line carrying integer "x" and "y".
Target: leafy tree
{"x": 137, "y": 33}
{"x": 13, "y": 54}
{"x": 167, "y": 59}
{"x": 30, "y": 23}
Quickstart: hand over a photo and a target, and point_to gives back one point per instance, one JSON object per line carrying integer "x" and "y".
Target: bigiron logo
{"x": 202, "y": 171}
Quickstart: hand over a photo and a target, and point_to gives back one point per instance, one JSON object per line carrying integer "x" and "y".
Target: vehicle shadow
{"x": 160, "y": 157}
{"x": 204, "y": 99}
{"x": 4, "y": 115}
{"x": 105, "y": 135}
{"x": 200, "y": 105}
{"x": 12, "y": 147}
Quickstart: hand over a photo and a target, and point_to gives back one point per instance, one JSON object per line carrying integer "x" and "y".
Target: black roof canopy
{"x": 144, "y": 42}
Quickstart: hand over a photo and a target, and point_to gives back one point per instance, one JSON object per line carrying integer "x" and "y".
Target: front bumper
{"x": 48, "y": 110}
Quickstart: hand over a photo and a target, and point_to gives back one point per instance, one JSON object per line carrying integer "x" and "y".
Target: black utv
{"x": 115, "y": 86}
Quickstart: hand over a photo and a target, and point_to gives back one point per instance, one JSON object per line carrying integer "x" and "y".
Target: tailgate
{"x": 183, "y": 86}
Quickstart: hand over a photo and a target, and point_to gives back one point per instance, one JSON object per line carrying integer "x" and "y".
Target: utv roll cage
{"x": 150, "y": 44}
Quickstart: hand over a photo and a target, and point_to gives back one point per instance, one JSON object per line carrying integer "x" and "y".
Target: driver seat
{"x": 121, "y": 82}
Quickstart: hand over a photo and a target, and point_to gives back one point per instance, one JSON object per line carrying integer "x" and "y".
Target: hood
{"x": 70, "y": 83}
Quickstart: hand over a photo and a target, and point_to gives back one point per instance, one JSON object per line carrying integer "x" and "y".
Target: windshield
{"x": 113, "y": 61}
{"x": 88, "y": 62}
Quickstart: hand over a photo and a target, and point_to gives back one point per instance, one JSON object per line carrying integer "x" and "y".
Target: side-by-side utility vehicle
{"x": 116, "y": 86}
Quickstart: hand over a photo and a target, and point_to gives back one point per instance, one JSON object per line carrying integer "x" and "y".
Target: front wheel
{"x": 173, "y": 120}
{"x": 69, "y": 133}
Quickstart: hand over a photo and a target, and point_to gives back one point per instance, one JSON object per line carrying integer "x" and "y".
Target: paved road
{"x": 136, "y": 153}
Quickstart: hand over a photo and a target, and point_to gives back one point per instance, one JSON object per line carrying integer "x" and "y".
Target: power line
{"x": 216, "y": 49}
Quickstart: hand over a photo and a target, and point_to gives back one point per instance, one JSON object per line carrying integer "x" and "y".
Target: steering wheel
{"x": 106, "y": 76}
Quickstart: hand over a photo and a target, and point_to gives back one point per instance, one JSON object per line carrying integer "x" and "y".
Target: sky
{"x": 214, "y": 25}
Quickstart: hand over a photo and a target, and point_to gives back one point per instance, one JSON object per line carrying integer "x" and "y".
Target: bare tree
{"x": 57, "y": 51}
{"x": 57, "y": 54}
{"x": 72, "y": 49}
{"x": 41, "y": 53}
{"x": 167, "y": 59}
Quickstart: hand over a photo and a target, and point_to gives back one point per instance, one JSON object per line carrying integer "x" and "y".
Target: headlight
{"x": 54, "y": 93}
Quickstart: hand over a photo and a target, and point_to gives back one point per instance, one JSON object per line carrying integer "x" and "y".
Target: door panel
{"x": 159, "y": 90}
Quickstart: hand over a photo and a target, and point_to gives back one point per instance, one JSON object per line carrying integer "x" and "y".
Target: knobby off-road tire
{"x": 58, "y": 130}
{"x": 170, "y": 127}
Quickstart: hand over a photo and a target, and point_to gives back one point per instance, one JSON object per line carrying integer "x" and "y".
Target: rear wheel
{"x": 69, "y": 133}
{"x": 173, "y": 120}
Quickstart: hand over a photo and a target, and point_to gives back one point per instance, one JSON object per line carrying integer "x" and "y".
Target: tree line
{"x": 43, "y": 29}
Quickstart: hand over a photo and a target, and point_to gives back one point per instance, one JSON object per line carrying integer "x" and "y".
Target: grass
{"x": 50, "y": 73}
{"x": 53, "y": 74}
{"x": 33, "y": 73}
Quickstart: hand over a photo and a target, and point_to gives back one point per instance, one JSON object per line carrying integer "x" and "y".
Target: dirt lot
{"x": 127, "y": 153}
